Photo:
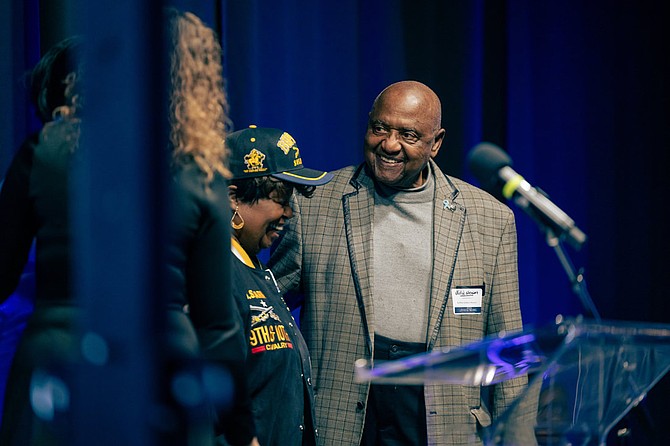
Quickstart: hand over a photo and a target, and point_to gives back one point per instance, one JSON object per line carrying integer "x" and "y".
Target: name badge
{"x": 467, "y": 300}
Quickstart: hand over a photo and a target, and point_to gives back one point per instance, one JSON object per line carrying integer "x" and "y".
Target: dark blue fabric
{"x": 14, "y": 313}
{"x": 21, "y": 46}
{"x": 573, "y": 91}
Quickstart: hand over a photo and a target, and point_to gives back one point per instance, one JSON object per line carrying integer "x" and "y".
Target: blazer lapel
{"x": 449, "y": 219}
{"x": 358, "y": 206}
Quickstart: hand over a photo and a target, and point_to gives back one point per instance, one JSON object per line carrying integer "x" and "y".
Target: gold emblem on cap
{"x": 254, "y": 162}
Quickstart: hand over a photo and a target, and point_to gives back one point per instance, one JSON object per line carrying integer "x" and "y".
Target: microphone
{"x": 493, "y": 168}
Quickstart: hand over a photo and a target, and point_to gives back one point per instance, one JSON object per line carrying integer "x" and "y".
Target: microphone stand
{"x": 576, "y": 277}
{"x": 579, "y": 287}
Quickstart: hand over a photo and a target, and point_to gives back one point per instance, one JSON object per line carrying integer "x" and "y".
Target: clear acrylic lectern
{"x": 583, "y": 376}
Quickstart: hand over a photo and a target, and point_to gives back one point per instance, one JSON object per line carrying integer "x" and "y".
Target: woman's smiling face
{"x": 263, "y": 221}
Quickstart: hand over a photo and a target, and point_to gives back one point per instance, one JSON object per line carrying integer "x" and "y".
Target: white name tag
{"x": 467, "y": 300}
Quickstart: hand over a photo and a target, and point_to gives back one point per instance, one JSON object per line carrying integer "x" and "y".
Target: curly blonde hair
{"x": 70, "y": 111}
{"x": 72, "y": 107}
{"x": 198, "y": 104}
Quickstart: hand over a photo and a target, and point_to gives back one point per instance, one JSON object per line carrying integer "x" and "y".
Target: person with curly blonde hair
{"x": 198, "y": 105}
{"x": 202, "y": 321}
{"x": 199, "y": 236}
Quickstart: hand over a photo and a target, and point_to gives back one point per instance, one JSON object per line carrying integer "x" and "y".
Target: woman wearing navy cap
{"x": 267, "y": 168}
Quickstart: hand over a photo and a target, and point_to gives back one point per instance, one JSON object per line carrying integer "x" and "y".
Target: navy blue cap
{"x": 259, "y": 151}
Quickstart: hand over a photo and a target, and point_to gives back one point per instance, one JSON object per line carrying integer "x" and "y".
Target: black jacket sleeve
{"x": 17, "y": 223}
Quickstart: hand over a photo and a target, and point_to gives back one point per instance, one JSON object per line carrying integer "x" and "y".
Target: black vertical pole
{"x": 55, "y": 21}
{"x": 117, "y": 215}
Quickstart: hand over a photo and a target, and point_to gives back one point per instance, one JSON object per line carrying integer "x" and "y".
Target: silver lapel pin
{"x": 448, "y": 205}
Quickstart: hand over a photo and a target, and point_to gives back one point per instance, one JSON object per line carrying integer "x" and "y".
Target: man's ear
{"x": 439, "y": 137}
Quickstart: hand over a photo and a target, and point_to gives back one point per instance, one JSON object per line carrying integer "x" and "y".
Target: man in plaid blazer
{"x": 352, "y": 251}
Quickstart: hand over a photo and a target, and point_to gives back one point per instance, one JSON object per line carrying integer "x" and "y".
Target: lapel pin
{"x": 448, "y": 205}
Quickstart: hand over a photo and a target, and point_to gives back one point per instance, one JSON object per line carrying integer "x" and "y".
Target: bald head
{"x": 404, "y": 132}
{"x": 412, "y": 94}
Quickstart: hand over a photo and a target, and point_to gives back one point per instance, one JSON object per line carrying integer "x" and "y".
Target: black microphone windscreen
{"x": 485, "y": 160}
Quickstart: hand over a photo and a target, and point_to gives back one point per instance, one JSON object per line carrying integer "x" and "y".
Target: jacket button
{"x": 394, "y": 348}
{"x": 360, "y": 405}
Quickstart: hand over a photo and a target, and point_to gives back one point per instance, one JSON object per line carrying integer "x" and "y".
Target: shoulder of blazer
{"x": 344, "y": 183}
{"x": 347, "y": 180}
{"x": 472, "y": 197}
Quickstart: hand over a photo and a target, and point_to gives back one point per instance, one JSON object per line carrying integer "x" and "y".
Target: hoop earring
{"x": 232, "y": 220}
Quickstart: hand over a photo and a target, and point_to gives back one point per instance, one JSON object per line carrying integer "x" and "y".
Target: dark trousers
{"x": 395, "y": 415}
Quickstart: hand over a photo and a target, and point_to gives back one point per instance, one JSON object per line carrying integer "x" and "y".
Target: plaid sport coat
{"x": 326, "y": 255}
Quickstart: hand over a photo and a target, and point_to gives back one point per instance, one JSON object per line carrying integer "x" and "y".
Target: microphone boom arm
{"x": 576, "y": 278}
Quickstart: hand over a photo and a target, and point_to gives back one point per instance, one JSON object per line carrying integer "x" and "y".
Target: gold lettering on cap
{"x": 285, "y": 143}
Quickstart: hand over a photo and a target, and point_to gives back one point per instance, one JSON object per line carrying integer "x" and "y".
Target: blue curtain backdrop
{"x": 575, "y": 91}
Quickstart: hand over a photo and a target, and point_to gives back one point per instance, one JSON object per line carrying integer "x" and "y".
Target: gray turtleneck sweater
{"x": 403, "y": 258}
